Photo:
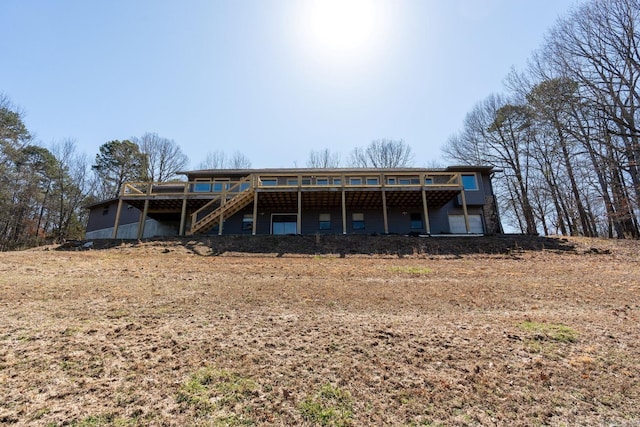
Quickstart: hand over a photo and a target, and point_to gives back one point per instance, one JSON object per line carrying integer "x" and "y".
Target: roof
{"x": 277, "y": 171}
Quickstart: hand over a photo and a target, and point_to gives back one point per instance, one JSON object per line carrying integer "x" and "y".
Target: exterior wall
{"x": 104, "y": 216}
{"x": 152, "y": 228}
{"x": 102, "y": 219}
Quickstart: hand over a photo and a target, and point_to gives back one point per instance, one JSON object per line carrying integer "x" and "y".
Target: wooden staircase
{"x": 225, "y": 210}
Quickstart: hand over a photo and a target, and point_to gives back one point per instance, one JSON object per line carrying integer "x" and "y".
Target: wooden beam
{"x": 115, "y": 225}
{"x": 384, "y": 212}
{"x": 344, "y": 213}
{"x": 425, "y": 210}
{"x": 464, "y": 211}
{"x": 183, "y": 217}
{"x": 299, "y": 216}
{"x": 254, "y": 226}
{"x": 143, "y": 219}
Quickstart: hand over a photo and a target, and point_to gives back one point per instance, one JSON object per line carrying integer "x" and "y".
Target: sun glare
{"x": 340, "y": 30}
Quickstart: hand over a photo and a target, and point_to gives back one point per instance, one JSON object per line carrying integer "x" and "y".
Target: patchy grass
{"x": 209, "y": 390}
{"x": 329, "y": 406}
{"x": 550, "y": 331}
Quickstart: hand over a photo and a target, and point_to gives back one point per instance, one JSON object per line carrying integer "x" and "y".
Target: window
{"x": 105, "y": 211}
{"x": 416, "y": 221}
{"x": 428, "y": 180}
{"x": 337, "y": 181}
{"x": 322, "y": 181}
{"x": 355, "y": 181}
{"x": 202, "y": 186}
{"x": 266, "y": 182}
{"x": 292, "y": 181}
{"x": 357, "y": 221}
{"x": 469, "y": 182}
{"x": 404, "y": 181}
{"x": 372, "y": 181}
{"x": 218, "y": 186}
{"x": 325, "y": 221}
{"x": 247, "y": 222}
{"x": 306, "y": 181}
{"x": 391, "y": 181}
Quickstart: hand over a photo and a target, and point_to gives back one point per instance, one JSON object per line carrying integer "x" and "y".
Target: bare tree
{"x": 383, "y": 153}
{"x": 239, "y": 161}
{"x": 163, "y": 156}
{"x": 70, "y": 191}
{"x": 323, "y": 159}
{"x": 219, "y": 160}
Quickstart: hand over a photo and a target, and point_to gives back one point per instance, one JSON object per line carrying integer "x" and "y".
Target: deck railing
{"x": 228, "y": 187}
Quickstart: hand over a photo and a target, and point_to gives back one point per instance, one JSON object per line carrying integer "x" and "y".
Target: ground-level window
{"x": 247, "y": 222}
{"x": 458, "y": 226}
{"x": 469, "y": 182}
{"x": 284, "y": 224}
{"x": 357, "y": 221}
{"x": 325, "y": 221}
{"x": 416, "y": 221}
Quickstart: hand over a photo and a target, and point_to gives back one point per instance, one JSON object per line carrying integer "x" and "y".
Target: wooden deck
{"x": 206, "y": 202}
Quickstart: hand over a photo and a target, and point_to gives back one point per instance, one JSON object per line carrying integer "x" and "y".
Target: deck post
{"x": 183, "y": 212}
{"x": 115, "y": 225}
{"x": 384, "y": 212}
{"x": 145, "y": 211}
{"x": 143, "y": 218}
{"x": 425, "y": 210}
{"x": 464, "y": 210}
{"x": 254, "y": 226}
{"x": 344, "y": 213}
{"x": 299, "y": 216}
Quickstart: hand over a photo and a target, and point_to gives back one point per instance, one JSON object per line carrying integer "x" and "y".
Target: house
{"x": 453, "y": 200}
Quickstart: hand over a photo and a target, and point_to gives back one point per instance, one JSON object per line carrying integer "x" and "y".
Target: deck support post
{"x": 183, "y": 217}
{"x": 183, "y": 212}
{"x": 143, "y": 219}
{"x": 344, "y": 213}
{"x": 464, "y": 211}
{"x": 425, "y": 210}
{"x": 115, "y": 225}
{"x": 299, "y": 215}
{"x": 254, "y": 225}
{"x": 384, "y": 212}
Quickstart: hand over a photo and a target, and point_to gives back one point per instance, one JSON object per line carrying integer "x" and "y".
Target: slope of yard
{"x": 474, "y": 332}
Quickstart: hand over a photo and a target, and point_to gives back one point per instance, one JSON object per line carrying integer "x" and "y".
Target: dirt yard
{"x": 185, "y": 333}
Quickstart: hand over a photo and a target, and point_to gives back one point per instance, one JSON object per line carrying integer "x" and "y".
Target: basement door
{"x": 284, "y": 224}
{"x": 457, "y": 225}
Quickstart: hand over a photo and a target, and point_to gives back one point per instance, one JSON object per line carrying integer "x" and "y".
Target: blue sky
{"x": 273, "y": 79}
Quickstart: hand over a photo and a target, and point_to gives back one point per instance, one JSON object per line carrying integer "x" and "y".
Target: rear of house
{"x": 454, "y": 200}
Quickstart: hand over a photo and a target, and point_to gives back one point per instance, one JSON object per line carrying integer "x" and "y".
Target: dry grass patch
{"x": 136, "y": 335}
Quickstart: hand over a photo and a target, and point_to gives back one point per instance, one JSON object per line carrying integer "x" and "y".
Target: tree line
{"x": 565, "y": 132}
